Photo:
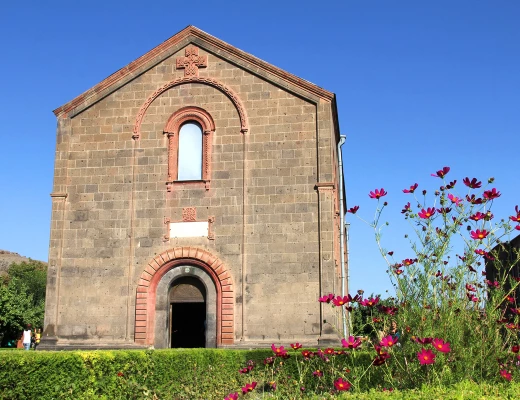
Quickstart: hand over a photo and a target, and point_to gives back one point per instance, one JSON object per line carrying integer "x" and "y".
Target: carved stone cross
{"x": 192, "y": 61}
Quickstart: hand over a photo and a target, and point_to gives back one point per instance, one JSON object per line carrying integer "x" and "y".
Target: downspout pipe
{"x": 342, "y": 232}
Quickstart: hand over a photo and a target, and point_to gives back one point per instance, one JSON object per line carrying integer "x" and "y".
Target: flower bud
{"x": 424, "y": 192}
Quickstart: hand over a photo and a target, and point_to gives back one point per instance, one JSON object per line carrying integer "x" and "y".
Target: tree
{"x": 22, "y": 299}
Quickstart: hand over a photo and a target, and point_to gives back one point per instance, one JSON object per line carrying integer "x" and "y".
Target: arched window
{"x": 190, "y": 152}
{"x": 189, "y": 132}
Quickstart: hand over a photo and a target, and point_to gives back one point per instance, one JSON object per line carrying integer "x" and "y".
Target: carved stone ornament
{"x": 192, "y": 79}
{"x": 189, "y": 214}
{"x": 192, "y": 62}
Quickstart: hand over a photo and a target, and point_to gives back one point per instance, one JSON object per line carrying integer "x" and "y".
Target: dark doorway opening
{"x": 187, "y": 313}
{"x": 188, "y": 325}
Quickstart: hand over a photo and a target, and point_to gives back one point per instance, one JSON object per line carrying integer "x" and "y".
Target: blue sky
{"x": 420, "y": 85}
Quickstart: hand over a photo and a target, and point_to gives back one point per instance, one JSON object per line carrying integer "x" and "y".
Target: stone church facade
{"x": 143, "y": 254}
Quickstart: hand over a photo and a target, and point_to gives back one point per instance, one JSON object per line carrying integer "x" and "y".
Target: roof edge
{"x": 174, "y": 40}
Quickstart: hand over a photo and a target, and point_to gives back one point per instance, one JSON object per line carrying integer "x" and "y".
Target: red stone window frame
{"x": 172, "y": 128}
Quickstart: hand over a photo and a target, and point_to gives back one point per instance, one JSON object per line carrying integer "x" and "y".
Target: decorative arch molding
{"x": 192, "y": 79}
{"x": 204, "y": 119}
{"x": 161, "y": 264}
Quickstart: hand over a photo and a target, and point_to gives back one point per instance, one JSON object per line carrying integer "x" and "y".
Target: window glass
{"x": 190, "y": 152}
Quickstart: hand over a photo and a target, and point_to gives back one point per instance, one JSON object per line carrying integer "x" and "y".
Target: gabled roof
{"x": 209, "y": 43}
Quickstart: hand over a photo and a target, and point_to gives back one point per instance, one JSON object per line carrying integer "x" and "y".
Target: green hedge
{"x": 180, "y": 374}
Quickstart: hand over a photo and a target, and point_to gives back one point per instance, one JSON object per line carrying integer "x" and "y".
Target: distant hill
{"x": 8, "y": 257}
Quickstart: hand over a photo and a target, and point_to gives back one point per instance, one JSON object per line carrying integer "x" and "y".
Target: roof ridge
{"x": 205, "y": 37}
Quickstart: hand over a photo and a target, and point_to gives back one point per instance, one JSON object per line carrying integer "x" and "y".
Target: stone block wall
{"x": 273, "y": 227}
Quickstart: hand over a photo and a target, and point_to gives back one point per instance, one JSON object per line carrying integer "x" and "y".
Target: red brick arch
{"x": 164, "y": 262}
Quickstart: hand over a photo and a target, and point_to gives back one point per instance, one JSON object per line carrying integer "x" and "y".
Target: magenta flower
{"x": 249, "y": 387}
{"x": 307, "y": 353}
{"x": 351, "y": 342}
{"x": 425, "y": 214}
{"x": 491, "y": 194}
{"x": 296, "y": 346}
{"x": 474, "y": 200}
{"x": 339, "y": 301}
{"x": 408, "y": 261}
{"x": 389, "y": 310}
{"x": 369, "y": 302}
{"x": 426, "y": 356}
{"x": 342, "y": 385}
{"x": 406, "y": 208}
{"x": 454, "y": 199}
{"x": 426, "y": 340}
{"x": 412, "y": 188}
{"x": 377, "y": 194}
{"x": 388, "y": 341}
{"x": 353, "y": 210}
{"x": 441, "y": 345}
{"x": 318, "y": 373}
{"x": 517, "y": 227}
{"x": 441, "y": 173}
{"x": 444, "y": 210}
{"x": 506, "y": 374}
{"x": 279, "y": 351}
{"x": 231, "y": 396}
{"x": 473, "y": 184}
{"x": 477, "y": 216}
{"x": 326, "y": 299}
{"x": 470, "y": 288}
{"x": 479, "y": 234}
{"x": 515, "y": 218}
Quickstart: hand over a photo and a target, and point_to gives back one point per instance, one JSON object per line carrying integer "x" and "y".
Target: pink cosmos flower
{"x": 339, "y": 301}
{"x": 377, "y": 194}
{"x": 341, "y": 384}
{"x": 353, "y": 210}
{"x": 406, "y": 208}
{"x": 249, "y": 387}
{"x": 477, "y": 216}
{"x": 279, "y": 351}
{"x": 351, "y": 342}
{"x": 441, "y": 173}
{"x": 307, "y": 354}
{"x": 444, "y": 210}
{"x": 318, "y": 373}
{"x": 426, "y": 340}
{"x": 479, "y": 234}
{"x": 387, "y": 309}
{"x": 296, "y": 346}
{"x": 426, "y": 356}
{"x": 408, "y": 261}
{"x": 491, "y": 194}
{"x": 326, "y": 299}
{"x": 369, "y": 302}
{"x": 441, "y": 345}
{"x": 425, "y": 214}
{"x": 388, "y": 341}
{"x": 473, "y": 184}
{"x": 515, "y": 349}
{"x": 454, "y": 199}
{"x": 412, "y": 188}
{"x": 470, "y": 288}
{"x": 517, "y": 227}
{"x": 506, "y": 374}
{"x": 515, "y": 218}
{"x": 232, "y": 396}
{"x": 474, "y": 200}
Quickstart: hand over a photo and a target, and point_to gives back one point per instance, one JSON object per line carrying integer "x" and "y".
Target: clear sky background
{"x": 420, "y": 85}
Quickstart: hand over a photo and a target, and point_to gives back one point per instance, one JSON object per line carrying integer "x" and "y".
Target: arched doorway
{"x": 152, "y": 302}
{"x": 187, "y": 302}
